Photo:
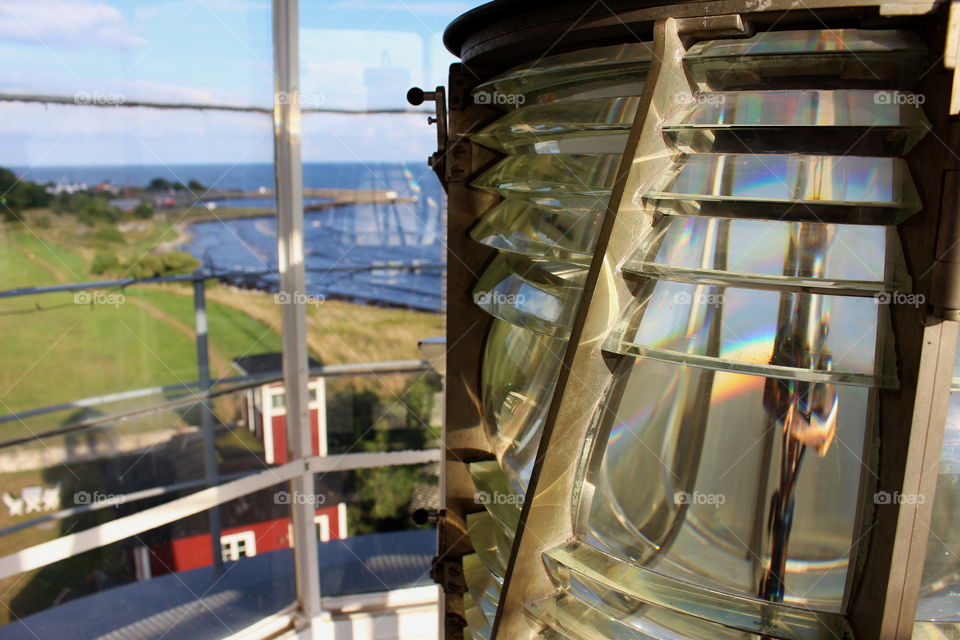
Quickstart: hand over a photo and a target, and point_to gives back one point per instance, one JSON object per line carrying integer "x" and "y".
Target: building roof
{"x": 201, "y": 605}
{"x": 266, "y": 363}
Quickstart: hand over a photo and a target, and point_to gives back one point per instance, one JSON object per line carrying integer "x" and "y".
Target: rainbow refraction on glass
{"x": 719, "y": 498}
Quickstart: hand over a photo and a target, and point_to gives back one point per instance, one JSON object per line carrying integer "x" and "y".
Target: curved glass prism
{"x": 617, "y": 70}
{"x": 766, "y": 332}
{"x": 816, "y": 59}
{"x": 520, "y": 370}
{"x": 690, "y": 464}
{"x": 627, "y": 593}
{"x": 482, "y": 587}
{"x": 517, "y": 227}
{"x": 559, "y": 181}
{"x": 854, "y": 259}
{"x": 577, "y": 619}
{"x": 541, "y": 296}
{"x": 495, "y": 493}
{"x": 839, "y": 122}
{"x": 840, "y": 189}
{"x": 599, "y": 125}
{"x": 490, "y": 543}
{"x": 477, "y": 626}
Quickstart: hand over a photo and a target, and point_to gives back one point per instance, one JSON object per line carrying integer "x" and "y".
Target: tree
{"x": 148, "y": 266}
{"x": 103, "y": 262}
{"x": 196, "y": 186}
{"x": 92, "y": 209}
{"x": 143, "y": 210}
{"x": 178, "y": 262}
{"x": 17, "y": 195}
{"x": 159, "y": 184}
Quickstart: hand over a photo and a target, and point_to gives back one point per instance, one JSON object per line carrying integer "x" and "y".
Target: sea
{"x": 383, "y": 254}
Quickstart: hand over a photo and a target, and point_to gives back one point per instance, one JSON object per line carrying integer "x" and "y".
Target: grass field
{"x": 57, "y": 350}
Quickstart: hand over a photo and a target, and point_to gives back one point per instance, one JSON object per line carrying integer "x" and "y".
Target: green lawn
{"x": 61, "y": 351}
{"x": 55, "y": 350}
{"x": 231, "y": 332}
{"x": 71, "y": 265}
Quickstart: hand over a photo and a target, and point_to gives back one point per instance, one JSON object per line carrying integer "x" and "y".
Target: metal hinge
{"x": 417, "y": 96}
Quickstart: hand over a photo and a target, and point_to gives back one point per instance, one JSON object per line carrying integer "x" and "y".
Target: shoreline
{"x": 343, "y": 198}
{"x": 182, "y": 227}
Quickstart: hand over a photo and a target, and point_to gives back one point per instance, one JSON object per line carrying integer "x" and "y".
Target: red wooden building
{"x": 244, "y": 541}
{"x": 264, "y": 410}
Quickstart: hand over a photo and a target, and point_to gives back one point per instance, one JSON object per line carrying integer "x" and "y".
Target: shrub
{"x": 88, "y": 209}
{"x": 110, "y": 234}
{"x": 103, "y": 262}
{"x": 143, "y": 210}
{"x": 147, "y": 266}
{"x": 176, "y": 262}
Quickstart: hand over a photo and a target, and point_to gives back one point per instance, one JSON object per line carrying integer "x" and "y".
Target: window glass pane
{"x": 162, "y": 577}
{"x": 210, "y": 52}
{"x": 939, "y": 605}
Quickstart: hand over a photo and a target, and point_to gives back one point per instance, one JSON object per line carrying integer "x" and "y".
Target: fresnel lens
{"x": 712, "y": 221}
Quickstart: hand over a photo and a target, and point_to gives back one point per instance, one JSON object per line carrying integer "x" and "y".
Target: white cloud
{"x": 441, "y": 8}
{"x": 59, "y": 22}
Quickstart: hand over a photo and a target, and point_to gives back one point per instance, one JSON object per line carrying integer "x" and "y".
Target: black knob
{"x": 423, "y": 516}
{"x": 415, "y": 96}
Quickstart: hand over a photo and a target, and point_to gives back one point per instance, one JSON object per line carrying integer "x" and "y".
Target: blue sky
{"x": 354, "y": 54}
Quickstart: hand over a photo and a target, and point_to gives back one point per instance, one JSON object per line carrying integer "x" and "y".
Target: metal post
{"x": 206, "y": 411}
{"x": 323, "y": 445}
{"x": 289, "y": 190}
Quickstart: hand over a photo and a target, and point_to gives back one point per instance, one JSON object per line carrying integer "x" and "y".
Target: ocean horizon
{"x": 398, "y": 245}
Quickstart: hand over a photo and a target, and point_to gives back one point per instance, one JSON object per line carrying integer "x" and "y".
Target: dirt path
{"x": 54, "y": 271}
{"x": 219, "y": 365}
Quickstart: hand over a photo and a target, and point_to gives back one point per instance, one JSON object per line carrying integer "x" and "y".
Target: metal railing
{"x": 214, "y": 489}
{"x": 206, "y": 387}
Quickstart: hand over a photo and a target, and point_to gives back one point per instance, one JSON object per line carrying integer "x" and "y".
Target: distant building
{"x": 264, "y": 411}
{"x": 67, "y": 187}
{"x": 243, "y": 541}
{"x": 106, "y": 187}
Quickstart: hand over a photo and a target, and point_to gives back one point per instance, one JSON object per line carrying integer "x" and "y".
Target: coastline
{"x": 340, "y": 198}
{"x": 182, "y": 227}
{"x": 182, "y": 238}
